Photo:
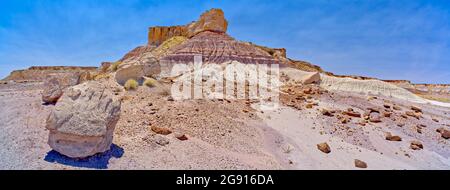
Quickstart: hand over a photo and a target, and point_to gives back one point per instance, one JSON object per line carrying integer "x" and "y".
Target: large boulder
{"x": 137, "y": 70}
{"x": 55, "y": 85}
{"x": 212, "y": 20}
{"x": 83, "y": 120}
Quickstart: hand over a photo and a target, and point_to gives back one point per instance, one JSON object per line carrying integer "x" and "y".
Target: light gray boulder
{"x": 83, "y": 120}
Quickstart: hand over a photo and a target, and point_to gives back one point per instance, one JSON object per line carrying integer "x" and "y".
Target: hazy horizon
{"x": 397, "y": 40}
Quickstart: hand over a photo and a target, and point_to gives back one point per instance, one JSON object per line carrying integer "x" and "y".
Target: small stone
{"x": 161, "y": 140}
{"x": 376, "y": 110}
{"x": 435, "y": 120}
{"x": 360, "y": 164}
{"x": 352, "y": 113}
{"x": 387, "y": 106}
{"x": 395, "y": 107}
{"x": 324, "y": 147}
{"x": 161, "y": 130}
{"x": 416, "y": 109}
{"x": 374, "y": 117}
{"x": 444, "y": 133}
{"x": 326, "y": 112}
{"x": 391, "y": 137}
{"x": 387, "y": 114}
{"x": 416, "y": 145}
{"x": 371, "y": 98}
{"x": 181, "y": 137}
{"x": 413, "y": 114}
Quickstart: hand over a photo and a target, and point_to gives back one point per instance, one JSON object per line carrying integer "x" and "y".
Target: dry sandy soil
{"x": 230, "y": 134}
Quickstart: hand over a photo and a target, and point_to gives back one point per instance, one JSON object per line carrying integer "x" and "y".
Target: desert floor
{"x": 227, "y": 134}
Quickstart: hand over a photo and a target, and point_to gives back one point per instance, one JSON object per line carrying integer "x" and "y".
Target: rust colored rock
{"x": 416, "y": 109}
{"x": 327, "y": 113}
{"x": 416, "y": 145}
{"x": 212, "y": 20}
{"x": 158, "y": 34}
{"x": 413, "y": 114}
{"x": 360, "y": 164}
{"x": 352, "y": 113}
{"x": 324, "y": 147}
{"x": 395, "y": 107}
{"x": 391, "y": 137}
{"x": 161, "y": 130}
{"x": 444, "y": 133}
{"x": 181, "y": 137}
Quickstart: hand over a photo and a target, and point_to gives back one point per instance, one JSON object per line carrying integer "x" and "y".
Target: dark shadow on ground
{"x": 98, "y": 161}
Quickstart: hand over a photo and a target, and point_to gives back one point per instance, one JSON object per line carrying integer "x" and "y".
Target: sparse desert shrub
{"x": 115, "y": 65}
{"x": 131, "y": 84}
{"x": 150, "y": 82}
{"x": 101, "y": 76}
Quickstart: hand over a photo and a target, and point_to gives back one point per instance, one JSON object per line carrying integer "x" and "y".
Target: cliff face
{"x": 158, "y": 34}
{"x": 212, "y": 20}
{"x": 40, "y": 73}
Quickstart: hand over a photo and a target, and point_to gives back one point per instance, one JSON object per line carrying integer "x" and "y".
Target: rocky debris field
{"x": 313, "y": 129}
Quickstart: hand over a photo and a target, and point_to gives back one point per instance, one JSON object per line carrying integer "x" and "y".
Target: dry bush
{"x": 150, "y": 82}
{"x": 131, "y": 84}
{"x": 115, "y": 65}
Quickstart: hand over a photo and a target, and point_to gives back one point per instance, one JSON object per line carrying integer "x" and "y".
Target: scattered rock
{"x": 401, "y": 124}
{"x": 352, "y": 113}
{"x": 360, "y": 164}
{"x": 324, "y": 147}
{"x": 413, "y": 114}
{"x": 391, "y": 137}
{"x": 372, "y": 110}
{"x": 395, "y": 107}
{"x": 435, "y": 120}
{"x": 83, "y": 121}
{"x": 161, "y": 140}
{"x": 344, "y": 120}
{"x": 387, "y": 106}
{"x": 374, "y": 117}
{"x": 416, "y": 109}
{"x": 181, "y": 137}
{"x": 161, "y": 130}
{"x": 327, "y": 112}
{"x": 416, "y": 145}
{"x": 371, "y": 98}
{"x": 444, "y": 133}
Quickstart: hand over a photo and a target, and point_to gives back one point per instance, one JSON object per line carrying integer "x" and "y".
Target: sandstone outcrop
{"x": 212, "y": 20}
{"x": 158, "y": 34}
{"x": 83, "y": 121}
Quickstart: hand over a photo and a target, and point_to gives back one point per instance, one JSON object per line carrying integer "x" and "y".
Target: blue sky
{"x": 388, "y": 39}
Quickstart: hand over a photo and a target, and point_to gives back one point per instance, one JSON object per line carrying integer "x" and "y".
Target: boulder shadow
{"x": 98, "y": 161}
